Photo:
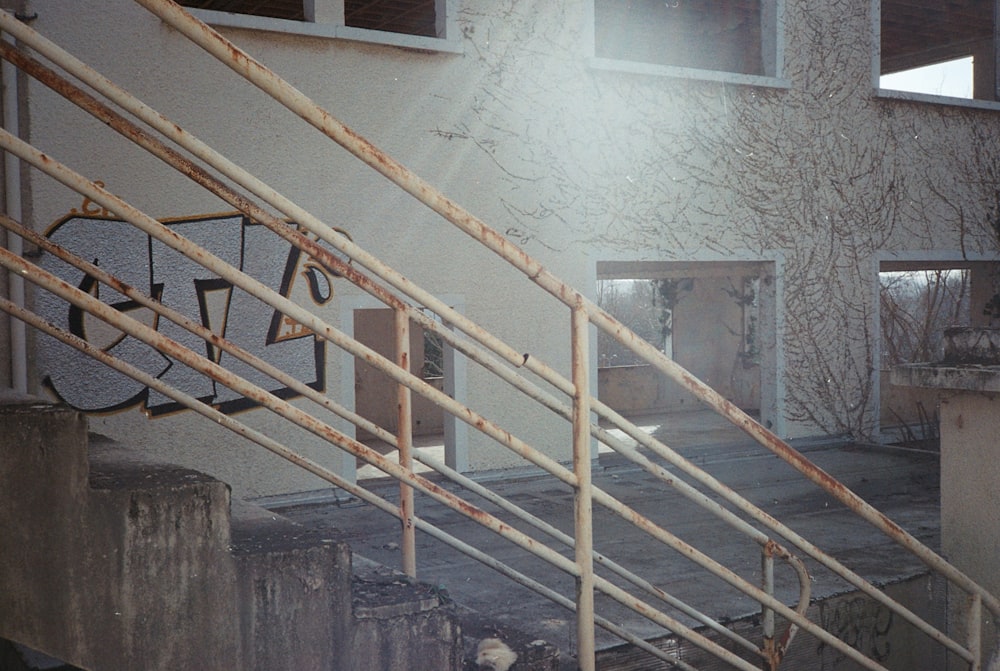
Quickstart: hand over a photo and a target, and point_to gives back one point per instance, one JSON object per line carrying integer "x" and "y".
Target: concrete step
{"x": 112, "y": 561}
{"x": 388, "y": 590}
{"x": 382, "y": 592}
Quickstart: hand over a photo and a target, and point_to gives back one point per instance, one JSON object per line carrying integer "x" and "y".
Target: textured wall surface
{"x": 814, "y": 173}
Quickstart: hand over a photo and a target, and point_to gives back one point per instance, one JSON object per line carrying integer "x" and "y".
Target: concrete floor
{"x": 902, "y": 483}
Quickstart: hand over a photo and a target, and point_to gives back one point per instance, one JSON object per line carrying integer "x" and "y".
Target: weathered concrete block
{"x": 402, "y": 624}
{"x": 43, "y": 491}
{"x": 159, "y": 538}
{"x": 117, "y": 563}
{"x": 294, "y": 592}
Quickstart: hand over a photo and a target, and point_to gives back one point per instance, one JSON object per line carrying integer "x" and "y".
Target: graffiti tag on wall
{"x": 170, "y": 277}
{"x": 862, "y": 623}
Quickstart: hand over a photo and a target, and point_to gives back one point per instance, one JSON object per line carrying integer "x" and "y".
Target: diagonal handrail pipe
{"x": 154, "y": 146}
{"x": 333, "y": 478}
{"x": 256, "y": 73}
{"x": 337, "y": 265}
{"x": 150, "y": 336}
{"x": 94, "y": 306}
{"x": 114, "y": 204}
{"x": 663, "y": 446}
{"x": 331, "y": 262}
{"x": 596, "y": 407}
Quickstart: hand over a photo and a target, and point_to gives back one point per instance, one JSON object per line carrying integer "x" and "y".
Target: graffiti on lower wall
{"x": 147, "y": 264}
{"x": 862, "y": 623}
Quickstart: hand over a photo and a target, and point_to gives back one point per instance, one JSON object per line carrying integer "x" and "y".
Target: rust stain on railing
{"x": 583, "y": 313}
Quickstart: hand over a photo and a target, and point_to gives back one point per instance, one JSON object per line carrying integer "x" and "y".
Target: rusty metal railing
{"x": 394, "y": 290}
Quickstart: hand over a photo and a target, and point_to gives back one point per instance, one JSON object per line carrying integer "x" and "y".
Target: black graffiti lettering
{"x": 319, "y": 284}
{"x": 189, "y": 288}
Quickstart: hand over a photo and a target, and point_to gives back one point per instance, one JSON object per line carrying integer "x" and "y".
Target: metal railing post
{"x": 404, "y": 441}
{"x": 583, "y": 405}
{"x": 767, "y": 614}
{"x": 586, "y": 644}
{"x": 253, "y": 71}
{"x": 974, "y": 633}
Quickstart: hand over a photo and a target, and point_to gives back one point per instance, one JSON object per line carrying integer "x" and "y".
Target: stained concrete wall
{"x": 970, "y": 470}
{"x": 907, "y": 409}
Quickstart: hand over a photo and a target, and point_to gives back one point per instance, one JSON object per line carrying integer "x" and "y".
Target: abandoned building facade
{"x": 742, "y": 152}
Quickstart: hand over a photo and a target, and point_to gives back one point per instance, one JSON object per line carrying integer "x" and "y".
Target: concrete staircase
{"x": 110, "y": 561}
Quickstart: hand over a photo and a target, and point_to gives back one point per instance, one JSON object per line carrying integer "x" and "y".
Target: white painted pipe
{"x": 12, "y": 198}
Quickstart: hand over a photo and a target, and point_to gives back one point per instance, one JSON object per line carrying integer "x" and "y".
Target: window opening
{"x": 709, "y": 322}
{"x": 737, "y": 36}
{"x": 275, "y": 9}
{"x": 408, "y": 17}
{"x": 951, "y": 78}
{"x": 644, "y": 306}
{"x": 916, "y": 306}
{"x": 943, "y": 49}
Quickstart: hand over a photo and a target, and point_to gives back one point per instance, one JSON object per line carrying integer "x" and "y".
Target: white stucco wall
{"x": 578, "y": 164}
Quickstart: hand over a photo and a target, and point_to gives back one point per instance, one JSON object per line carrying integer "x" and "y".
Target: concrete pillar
{"x": 968, "y": 380}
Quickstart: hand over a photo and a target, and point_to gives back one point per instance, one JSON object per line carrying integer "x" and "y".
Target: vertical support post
{"x": 584, "y": 502}
{"x": 771, "y": 361}
{"x": 404, "y": 439}
{"x": 767, "y": 614}
{"x": 324, "y": 11}
{"x": 974, "y": 634}
{"x": 441, "y": 19}
{"x": 456, "y": 432}
{"x": 13, "y": 207}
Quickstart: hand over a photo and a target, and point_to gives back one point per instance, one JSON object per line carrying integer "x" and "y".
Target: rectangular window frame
{"x": 325, "y": 19}
{"x": 887, "y": 93}
{"x": 772, "y": 49}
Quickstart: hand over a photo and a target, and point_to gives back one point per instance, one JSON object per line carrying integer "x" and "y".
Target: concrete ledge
{"x": 970, "y": 362}
{"x": 400, "y": 623}
{"x": 968, "y": 377}
{"x": 293, "y": 591}
{"x": 971, "y": 345}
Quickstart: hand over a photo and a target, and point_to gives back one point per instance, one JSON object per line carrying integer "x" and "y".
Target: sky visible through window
{"x": 952, "y": 78}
